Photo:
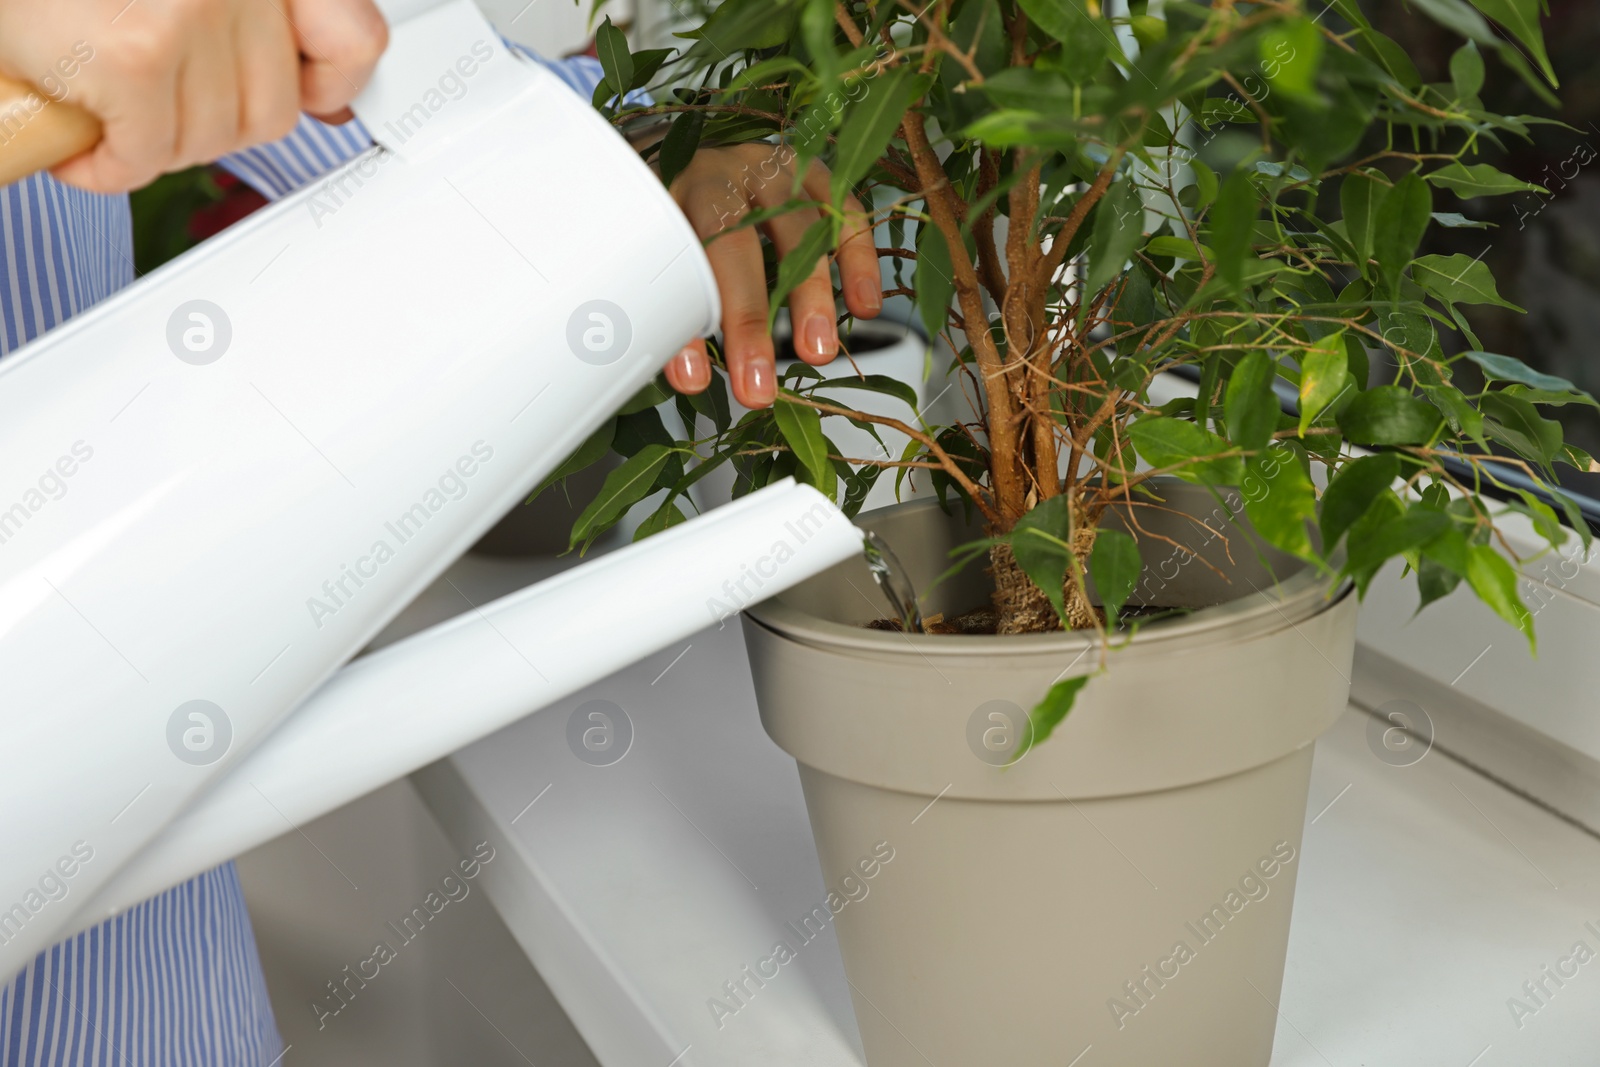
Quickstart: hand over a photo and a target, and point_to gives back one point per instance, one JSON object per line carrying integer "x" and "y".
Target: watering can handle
{"x": 37, "y": 133}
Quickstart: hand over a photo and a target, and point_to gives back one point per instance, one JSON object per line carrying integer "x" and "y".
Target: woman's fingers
{"x": 208, "y": 91}
{"x": 716, "y": 192}
{"x": 178, "y": 82}
{"x": 690, "y": 370}
{"x": 340, "y": 42}
{"x": 857, "y": 255}
{"x": 735, "y": 253}
{"x": 269, "y": 76}
{"x": 137, "y": 105}
{"x": 816, "y": 333}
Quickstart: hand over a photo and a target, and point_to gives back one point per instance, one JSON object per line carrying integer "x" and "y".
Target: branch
{"x": 847, "y": 24}
{"x": 947, "y": 212}
{"x": 946, "y": 462}
{"x": 1064, "y": 237}
{"x": 983, "y": 233}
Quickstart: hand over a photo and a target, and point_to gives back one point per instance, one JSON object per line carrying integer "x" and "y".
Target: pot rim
{"x": 1298, "y": 597}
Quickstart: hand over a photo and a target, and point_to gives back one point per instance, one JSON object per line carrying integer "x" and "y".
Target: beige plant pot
{"x": 1128, "y": 884}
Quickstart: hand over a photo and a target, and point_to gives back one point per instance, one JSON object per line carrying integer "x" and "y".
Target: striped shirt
{"x": 175, "y": 981}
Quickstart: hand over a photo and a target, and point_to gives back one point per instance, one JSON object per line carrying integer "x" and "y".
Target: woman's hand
{"x": 718, "y": 188}
{"x": 179, "y": 82}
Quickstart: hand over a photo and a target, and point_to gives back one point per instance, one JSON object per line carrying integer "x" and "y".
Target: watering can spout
{"x": 415, "y": 701}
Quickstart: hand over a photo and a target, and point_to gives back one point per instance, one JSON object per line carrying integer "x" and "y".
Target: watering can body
{"x": 218, "y": 485}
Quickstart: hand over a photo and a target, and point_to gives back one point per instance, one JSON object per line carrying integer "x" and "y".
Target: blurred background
{"x": 1543, "y": 249}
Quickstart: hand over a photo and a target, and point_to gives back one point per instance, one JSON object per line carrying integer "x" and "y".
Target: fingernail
{"x": 758, "y": 388}
{"x": 820, "y": 336}
{"x": 868, "y": 294}
{"x": 693, "y": 371}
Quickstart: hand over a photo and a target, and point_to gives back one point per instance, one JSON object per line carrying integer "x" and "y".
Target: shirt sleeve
{"x": 314, "y": 148}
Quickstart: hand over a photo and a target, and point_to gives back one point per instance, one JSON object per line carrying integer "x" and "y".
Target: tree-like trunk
{"x": 1022, "y": 606}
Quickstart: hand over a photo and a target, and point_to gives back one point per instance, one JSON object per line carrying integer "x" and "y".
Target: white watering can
{"x": 216, "y": 487}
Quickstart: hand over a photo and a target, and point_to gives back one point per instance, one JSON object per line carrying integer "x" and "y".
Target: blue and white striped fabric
{"x": 173, "y": 981}
{"x": 316, "y": 148}
{"x": 176, "y": 981}
{"x": 61, "y": 250}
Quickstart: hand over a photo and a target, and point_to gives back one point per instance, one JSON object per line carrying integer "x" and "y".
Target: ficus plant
{"x": 1081, "y": 195}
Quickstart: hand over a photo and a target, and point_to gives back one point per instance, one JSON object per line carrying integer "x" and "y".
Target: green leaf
{"x": 1389, "y": 415}
{"x": 1136, "y": 305}
{"x": 712, "y": 402}
{"x": 1040, "y": 541}
{"x": 1250, "y": 406}
{"x": 1351, "y": 10}
{"x": 1061, "y": 19}
{"x": 1441, "y": 566}
{"x": 1356, "y": 359}
{"x": 1479, "y": 179}
{"x": 877, "y": 383}
{"x": 1492, "y": 578}
{"x": 651, "y": 395}
{"x": 1387, "y": 55}
{"x": 1401, "y": 220}
{"x": 680, "y": 144}
{"x": 1542, "y": 516}
{"x": 1050, "y": 712}
{"x": 1578, "y": 459}
{"x": 593, "y": 449}
{"x": 1359, "y": 198}
{"x": 1454, "y": 220}
{"x": 1507, "y": 369}
{"x": 798, "y": 264}
{"x": 1324, "y": 378}
{"x": 642, "y": 427}
{"x": 1118, "y": 228}
{"x": 1352, "y": 491}
{"x": 934, "y": 280}
{"x": 1516, "y": 423}
{"x": 664, "y": 517}
{"x": 1521, "y": 17}
{"x": 1148, "y": 30}
{"x": 647, "y": 63}
{"x": 1374, "y": 543}
{"x": 1553, "y": 397}
{"x": 1456, "y": 15}
{"x": 1290, "y": 53}
{"x": 623, "y": 488}
{"x": 1115, "y": 566}
{"x": 612, "y": 48}
{"x": 1009, "y": 127}
{"x": 735, "y": 25}
{"x": 1289, "y": 501}
{"x": 1233, "y": 221}
{"x": 871, "y": 122}
{"x": 1178, "y": 248}
{"x": 1458, "y": 279}
{"x": 1205, "y": 184}
{"x": 1466, "y": 71}
{"x": 1168, "y": 442}
{"x": 1458, "y": 410}
{"x": 801, "y": 427}
{"x": 1029, "y": 88}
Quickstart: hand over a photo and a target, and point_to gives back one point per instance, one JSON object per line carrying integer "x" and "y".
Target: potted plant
{"x": 1089, "y": 201}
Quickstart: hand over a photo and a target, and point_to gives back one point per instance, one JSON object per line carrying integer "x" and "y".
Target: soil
{"x": 985, "y": 620}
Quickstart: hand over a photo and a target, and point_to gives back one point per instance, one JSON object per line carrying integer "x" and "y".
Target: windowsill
{"x": 1428, "y": 894}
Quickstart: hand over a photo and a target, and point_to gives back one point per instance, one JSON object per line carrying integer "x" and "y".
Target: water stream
{"x": 892, "y": 579}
